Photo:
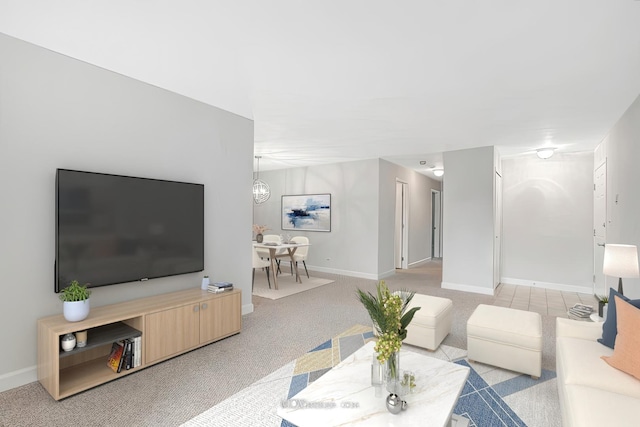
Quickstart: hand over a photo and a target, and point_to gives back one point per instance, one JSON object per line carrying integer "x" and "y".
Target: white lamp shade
{"x": 621, "y": 261}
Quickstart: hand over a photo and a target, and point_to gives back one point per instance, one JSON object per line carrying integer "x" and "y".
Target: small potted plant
{"x": 602, "y": 305}
{"x": 75, "y": 299}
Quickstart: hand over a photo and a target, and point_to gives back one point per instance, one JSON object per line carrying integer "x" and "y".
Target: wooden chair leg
{"x": 305, "y": 268}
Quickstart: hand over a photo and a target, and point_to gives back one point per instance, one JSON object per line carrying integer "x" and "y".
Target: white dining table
{"x": 273, "y": 250}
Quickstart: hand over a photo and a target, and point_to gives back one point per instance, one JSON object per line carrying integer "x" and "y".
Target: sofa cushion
{"x": 588, "y": 406}
{"x": 609, "y": 329}
{"x": 625, "y": 353}
{"x": 578, "y": 362}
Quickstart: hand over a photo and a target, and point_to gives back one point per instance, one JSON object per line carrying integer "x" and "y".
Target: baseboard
{"x": 247, "y": 308}
{"x": 18, "y": 378}
{"x": 341, "y": 272}
{"x": 548, "y": 285}
{"x": 416, "y": 263}
{"x": 467, "y": 288}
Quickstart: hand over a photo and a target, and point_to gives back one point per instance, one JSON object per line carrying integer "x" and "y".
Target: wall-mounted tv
{"x": 115, "y": 229}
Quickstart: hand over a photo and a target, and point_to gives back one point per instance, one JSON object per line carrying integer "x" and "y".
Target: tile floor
{"x": 544, "y": 301}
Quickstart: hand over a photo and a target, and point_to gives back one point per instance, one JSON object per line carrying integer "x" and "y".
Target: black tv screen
{"x": 114, "y": 229}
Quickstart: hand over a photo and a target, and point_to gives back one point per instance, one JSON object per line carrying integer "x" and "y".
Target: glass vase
{"x": 392, "y": 373}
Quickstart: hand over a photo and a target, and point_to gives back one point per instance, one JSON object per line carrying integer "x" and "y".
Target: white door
{"x": 436, "y": 221}
{"x": 401, "y": 239}
{"x": 599, "y": 227}
{"x": 497, "y": 246}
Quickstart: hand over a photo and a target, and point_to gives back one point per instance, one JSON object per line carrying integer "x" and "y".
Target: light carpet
{"x": 287, "y": 285}
{"x": 491, "y": 396}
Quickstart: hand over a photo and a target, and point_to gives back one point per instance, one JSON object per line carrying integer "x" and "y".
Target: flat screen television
{"x": 115, "y": 229}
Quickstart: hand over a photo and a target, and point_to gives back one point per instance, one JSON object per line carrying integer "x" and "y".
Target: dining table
{"x": 285, "y": 248}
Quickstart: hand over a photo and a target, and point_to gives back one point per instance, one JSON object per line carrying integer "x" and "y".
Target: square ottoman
{"x": 431, "y": 324}
{"x": 507, "y": 338}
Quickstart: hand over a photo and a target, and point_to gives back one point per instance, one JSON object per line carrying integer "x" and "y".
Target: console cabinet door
{"x": 220, "y": 317}
{"x": 171, "y": 332}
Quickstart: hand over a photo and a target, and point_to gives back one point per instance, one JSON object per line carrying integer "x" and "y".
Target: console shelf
{"x": 170, "y": 325}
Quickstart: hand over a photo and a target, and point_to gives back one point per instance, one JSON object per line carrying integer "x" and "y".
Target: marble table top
{"x": 344, "y": 395}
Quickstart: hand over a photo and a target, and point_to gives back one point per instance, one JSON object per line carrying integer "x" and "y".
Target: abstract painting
{"x": 308, "y": 212}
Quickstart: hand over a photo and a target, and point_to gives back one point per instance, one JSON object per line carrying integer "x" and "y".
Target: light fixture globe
{"x": 545, "y": 153}
{"x": 261, "y": 191}
{"x": 438, "y": 172}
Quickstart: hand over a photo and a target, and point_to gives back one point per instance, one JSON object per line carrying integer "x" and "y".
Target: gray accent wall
{"x": 57, "y": 112}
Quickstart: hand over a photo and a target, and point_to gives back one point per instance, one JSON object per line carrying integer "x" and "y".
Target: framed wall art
{"x": 306, "y": 212}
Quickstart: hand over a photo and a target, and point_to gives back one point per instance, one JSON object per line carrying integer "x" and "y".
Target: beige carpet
{"x": 287, "y": 285}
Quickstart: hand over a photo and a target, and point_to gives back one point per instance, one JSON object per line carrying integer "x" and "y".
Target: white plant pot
{"x": 75, "y": 311}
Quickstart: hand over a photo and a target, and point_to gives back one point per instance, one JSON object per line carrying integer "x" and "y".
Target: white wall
{"x": 468, "y": 220}
{"x": 622, "y": 149}
{"x": 548, "y": 221}
{"x": 57, "y": 112}
{"x": 360, "y": 243}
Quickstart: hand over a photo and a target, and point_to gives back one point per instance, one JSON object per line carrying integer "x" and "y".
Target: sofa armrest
{"x": 578, "y": 329}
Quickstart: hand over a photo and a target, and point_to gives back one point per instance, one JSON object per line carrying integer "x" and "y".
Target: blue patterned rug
{"x": 482, "y": 400}
{"x": 479, "y": 402}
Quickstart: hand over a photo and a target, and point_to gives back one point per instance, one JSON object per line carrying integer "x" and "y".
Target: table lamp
{"x": 621, "y": 261}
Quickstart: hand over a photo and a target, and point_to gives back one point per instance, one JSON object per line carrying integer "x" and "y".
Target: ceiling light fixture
{"x": 438, "y": 172}
{"x": 261, "y": 190}
{"x": 545, "y": 153}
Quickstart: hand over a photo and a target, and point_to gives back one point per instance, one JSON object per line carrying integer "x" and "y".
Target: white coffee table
{"x": 344, "y": 395}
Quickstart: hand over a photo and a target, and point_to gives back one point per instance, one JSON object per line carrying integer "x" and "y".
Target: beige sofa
{"x": 592, "y": 393}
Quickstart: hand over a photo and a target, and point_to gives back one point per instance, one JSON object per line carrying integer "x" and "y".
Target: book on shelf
{"x": 115, "y": 356}
{"x": 216, "y": 289}
{"x": 128, "y": 353}
{"x": 137, "y": 355}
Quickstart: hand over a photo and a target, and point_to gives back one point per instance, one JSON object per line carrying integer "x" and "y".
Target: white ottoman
{"x": 431, "y": 324}
{"x": 507, "y": 338}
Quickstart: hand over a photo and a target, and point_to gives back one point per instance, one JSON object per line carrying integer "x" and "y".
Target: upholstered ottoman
{"x": 507, "y": 338}
{"x": 431, "y": 324}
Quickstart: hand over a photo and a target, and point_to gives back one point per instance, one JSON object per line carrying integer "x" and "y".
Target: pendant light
{"x": 261, "y": 190}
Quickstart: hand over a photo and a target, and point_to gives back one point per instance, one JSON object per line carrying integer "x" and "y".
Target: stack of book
{"x": 220, "y": 287}
{"x": 580, "y": 311}
{"x": 125, "y": 354}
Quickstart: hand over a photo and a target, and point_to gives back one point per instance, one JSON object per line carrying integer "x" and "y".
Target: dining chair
{"x": 265, "y": 253}
{"x": 259, "y": 263}
{"x": 301, "y": 253}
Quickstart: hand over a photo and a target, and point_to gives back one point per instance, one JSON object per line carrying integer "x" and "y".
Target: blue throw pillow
{"x": 610, "y": 328}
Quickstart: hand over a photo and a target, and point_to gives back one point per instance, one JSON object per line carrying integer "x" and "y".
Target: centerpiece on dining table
{"x": 259, "y": 230}
{"x": 388, "y": 311}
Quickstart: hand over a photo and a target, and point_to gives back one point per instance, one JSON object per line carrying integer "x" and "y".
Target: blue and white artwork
{"x": 309, "y": 212}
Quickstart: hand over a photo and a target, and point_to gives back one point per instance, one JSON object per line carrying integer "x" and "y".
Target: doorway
{"x": 436, "y": 224}
{"x": 599, "y": 227}
{"x": 401, "y": 230}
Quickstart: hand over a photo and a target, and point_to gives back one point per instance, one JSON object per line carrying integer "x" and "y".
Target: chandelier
{"x": 261, "y": 190}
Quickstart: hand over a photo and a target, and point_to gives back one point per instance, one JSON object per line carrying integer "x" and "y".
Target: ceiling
{"x": 331, "y": 81}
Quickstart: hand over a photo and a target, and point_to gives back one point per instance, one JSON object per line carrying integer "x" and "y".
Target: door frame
{"x": 401, "y": 230}
{"x": 436, "y": 223}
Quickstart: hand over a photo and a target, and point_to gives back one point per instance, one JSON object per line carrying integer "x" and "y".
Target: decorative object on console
{"x": 310, "y": 212}
{"x": 610, "y": 328}
{"x": 68, "y": 342}
{"x": 621, "y": 261}
{"x": 81, "y": 338}
{"x": 261, "y": 190}
{"x": 205, "y": 283}
{"x": 390, "y": 321}
{"x": 75, "y": 306}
